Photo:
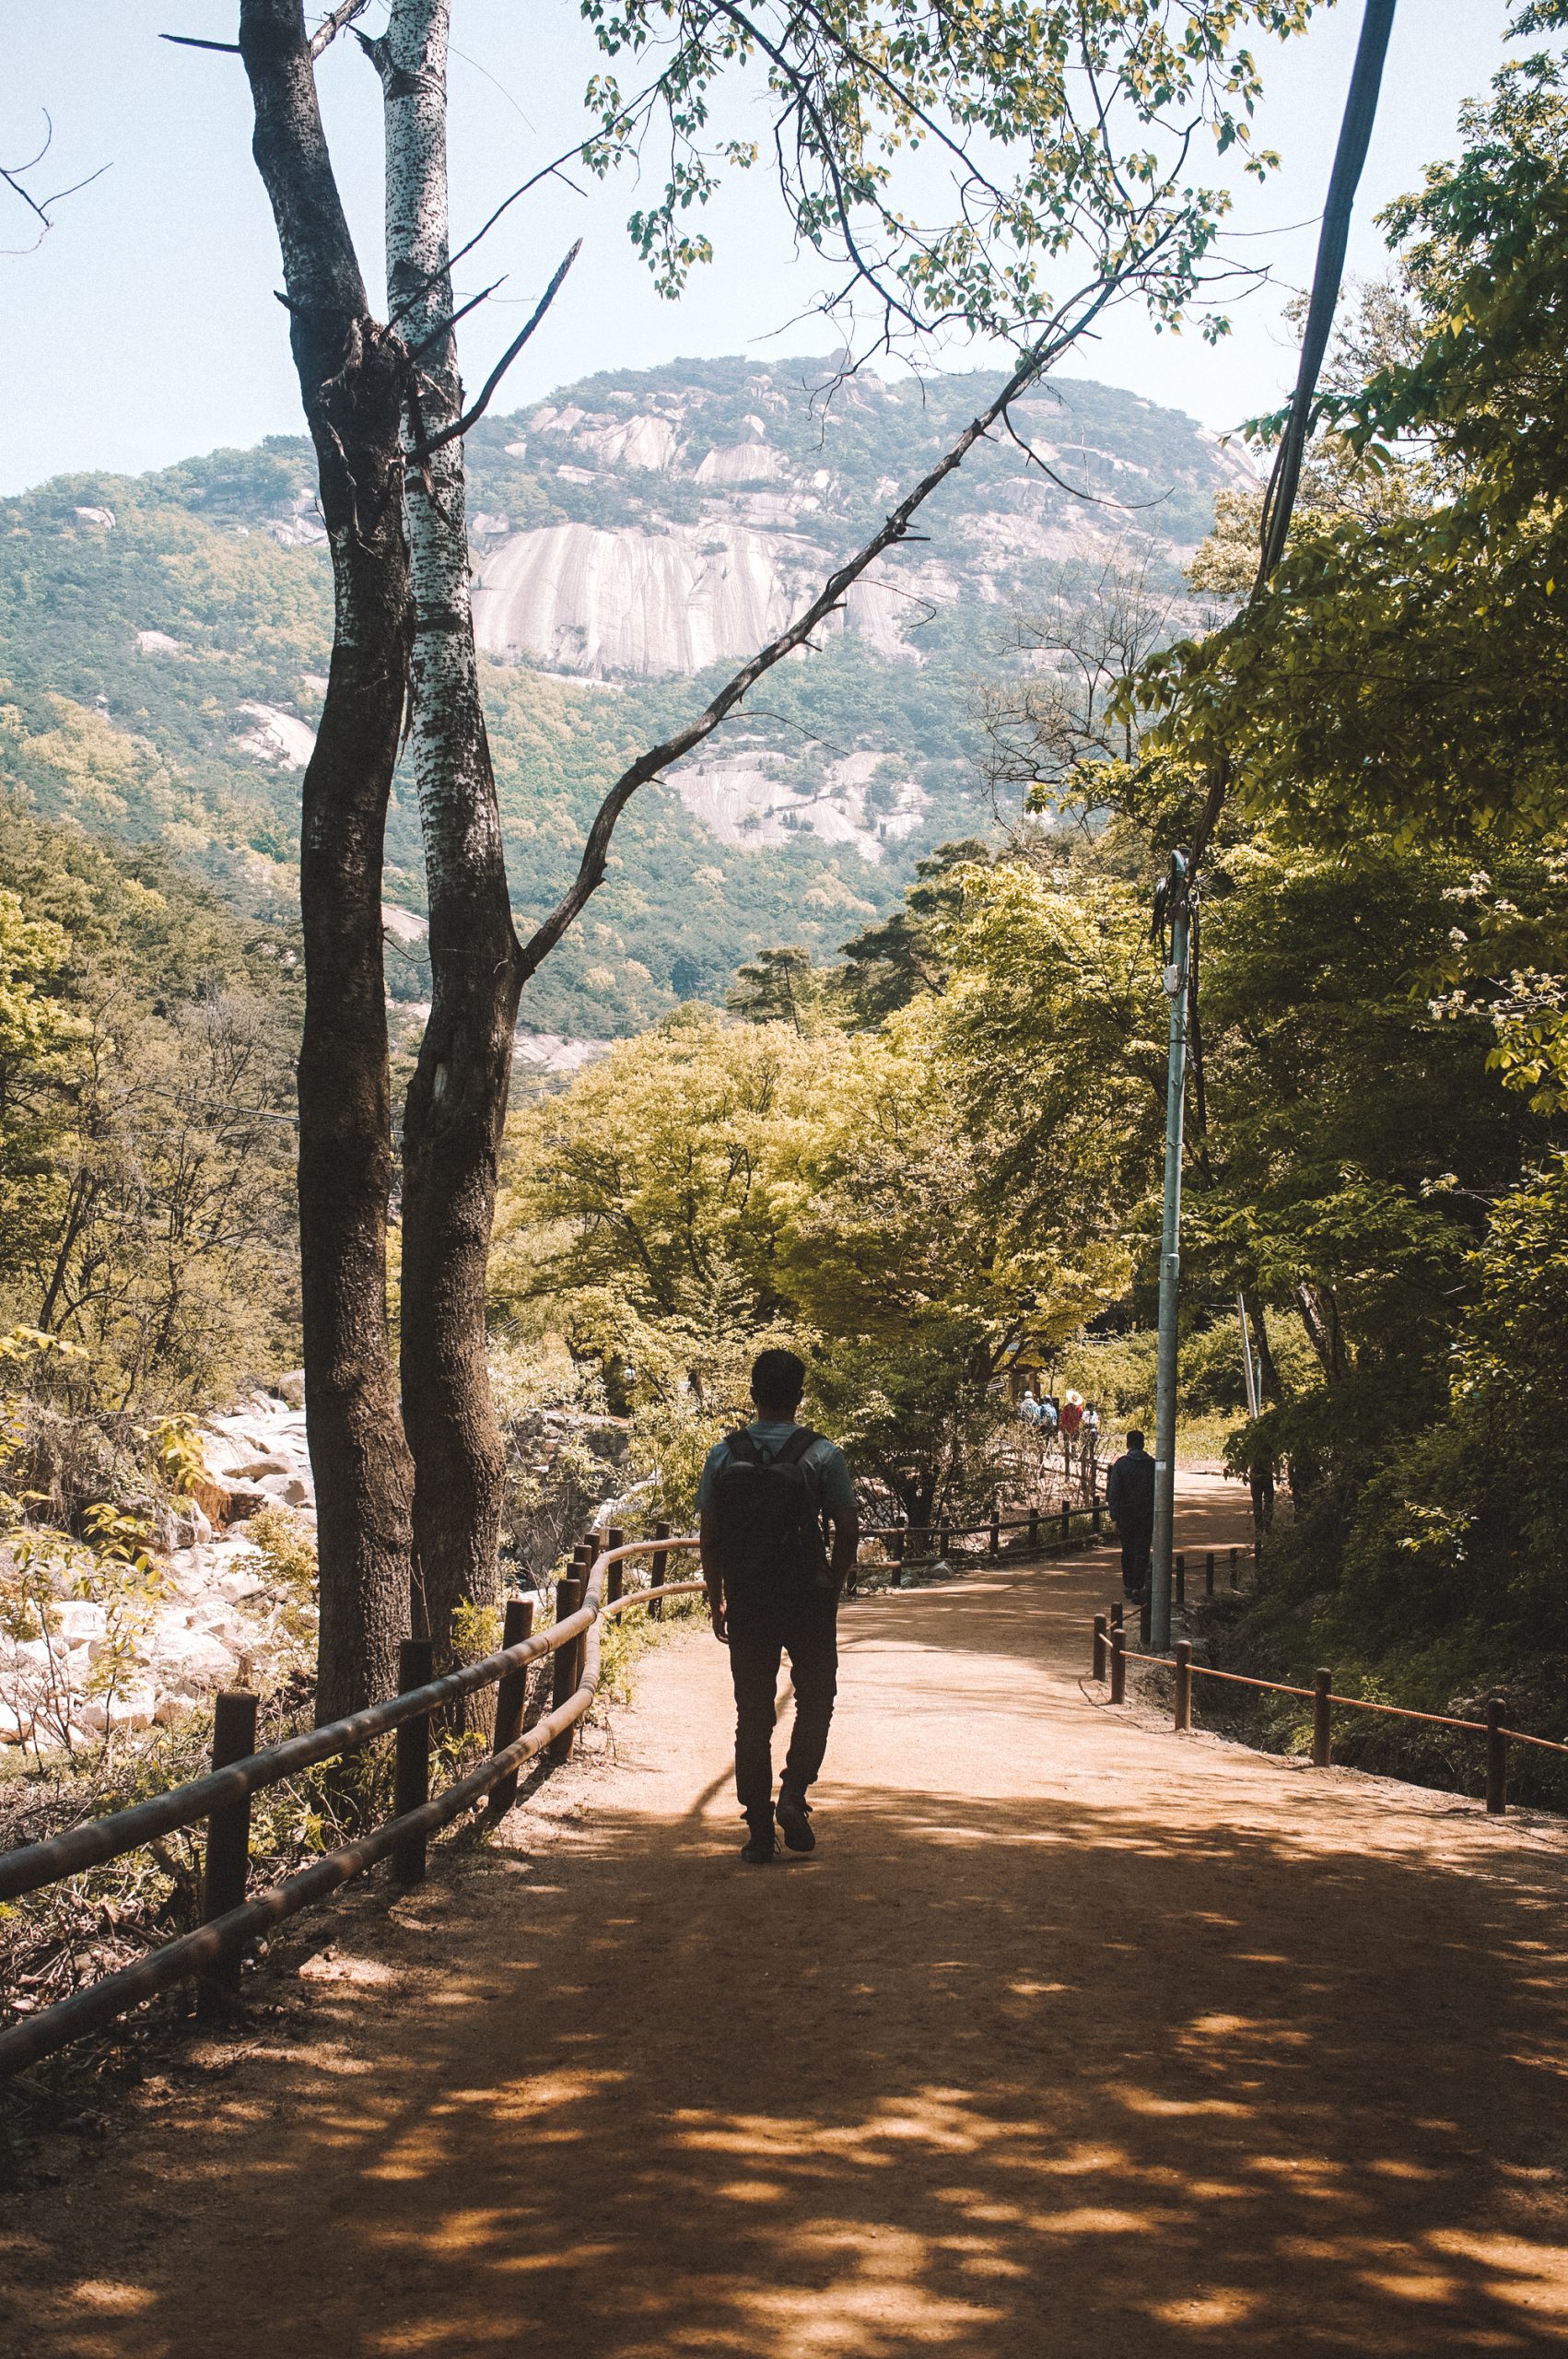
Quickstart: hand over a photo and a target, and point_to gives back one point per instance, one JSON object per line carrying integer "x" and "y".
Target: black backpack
{"x": 767, "y": 1526}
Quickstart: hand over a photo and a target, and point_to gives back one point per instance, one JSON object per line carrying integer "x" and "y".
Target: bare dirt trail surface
{"x": 1075, "y": 2036}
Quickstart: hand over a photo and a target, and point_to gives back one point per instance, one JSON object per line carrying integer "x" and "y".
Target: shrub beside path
{"x": 1075, "y": 2036}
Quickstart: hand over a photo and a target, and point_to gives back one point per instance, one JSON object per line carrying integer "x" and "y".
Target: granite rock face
{"x": 220, "y": 1614}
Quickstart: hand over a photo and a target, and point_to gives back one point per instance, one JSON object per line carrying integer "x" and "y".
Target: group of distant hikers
{"x": 779, "y": 1534}
{"x": 1076, "y": 1421}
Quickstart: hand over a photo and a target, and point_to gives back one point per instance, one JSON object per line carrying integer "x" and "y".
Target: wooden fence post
{"x": 227, "y": 1860}
{"x": 411, "y": 1784}
{"x": 1183, "y": 1684}
{"x": 943, "y": 1540}
{"x": 656, "y": 1564}
{"x": 511, "y": 1695}
{"x": 1101, "y": 1634}
{"x": 1119, "y": 1614}
{"x": 1098, "y": 1512}
{"x": 1034, "y": 1531}
{"x": 1322, "y": 1683}
{"x": 1066, "y": 1526}
{"x": 614, "y": 1574}
{"x": 895, "y": 1550}
{"x": 995, "y": 1531}
{"x": 569, "y": 1597}
{"x": 1497, "y": 1759}
{"x": 1118, "y": 1665}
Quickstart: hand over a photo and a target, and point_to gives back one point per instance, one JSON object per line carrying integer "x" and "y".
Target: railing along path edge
{"x": 222, "y": 1796}
{"x": 36, "y": 1865}
{"x": 1112, "y": 1654}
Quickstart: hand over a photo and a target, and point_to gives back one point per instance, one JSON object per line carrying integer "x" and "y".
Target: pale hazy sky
{"x": 144, "y": 328}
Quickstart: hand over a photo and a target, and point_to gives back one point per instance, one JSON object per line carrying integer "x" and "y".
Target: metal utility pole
{"x": 1174, "y": 909}
{"x": 1172, "y": 906}
{"x": 1249, "y": 1373}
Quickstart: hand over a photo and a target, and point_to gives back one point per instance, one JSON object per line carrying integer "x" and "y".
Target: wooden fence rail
{"x": 1045, "y": 1529}
{"x": 1322, "y": 1698}
{"x": 223, "y": 1800}
{"x": 586, "y": 1597}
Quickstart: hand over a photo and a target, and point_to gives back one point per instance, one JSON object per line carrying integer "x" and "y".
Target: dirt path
{"x": 1074, "y": 2037}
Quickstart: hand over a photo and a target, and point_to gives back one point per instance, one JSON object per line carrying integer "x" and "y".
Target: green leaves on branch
{"x": 1407, "y": 673}
{"x": 1060, "y": 137}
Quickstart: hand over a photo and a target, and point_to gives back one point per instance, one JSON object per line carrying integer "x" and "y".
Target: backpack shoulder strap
{"x": 796, "y": 1446}
{"x": 742, "y": 1447}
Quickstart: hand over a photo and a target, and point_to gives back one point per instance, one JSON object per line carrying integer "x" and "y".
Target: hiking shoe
{"x": 760, "y": 1848}
{"x": 795, "y": 1824}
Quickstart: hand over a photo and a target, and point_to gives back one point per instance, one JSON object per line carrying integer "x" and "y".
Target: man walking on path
{"x": 773, "y": 1590}
{"x": 1129, "y": 1496}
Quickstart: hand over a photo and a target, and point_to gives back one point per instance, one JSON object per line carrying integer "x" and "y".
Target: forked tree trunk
{"x": 457, "y": 1101}
{"x": 1273, "y": 1392}
{"x": 351, "y": 379}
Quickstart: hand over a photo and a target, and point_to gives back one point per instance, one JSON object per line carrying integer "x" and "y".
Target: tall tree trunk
{"x": 1320, "y": 1317}
{"x": 352, "y": 375}
{"x": 1272, "y": 1390}
{"x": 457, "y": 1100}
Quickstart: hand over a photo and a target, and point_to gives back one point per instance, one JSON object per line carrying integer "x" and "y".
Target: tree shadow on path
{"x": 987, "y": 2076}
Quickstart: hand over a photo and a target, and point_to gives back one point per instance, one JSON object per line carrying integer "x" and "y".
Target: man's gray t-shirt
{"x": 823, "y": 1467}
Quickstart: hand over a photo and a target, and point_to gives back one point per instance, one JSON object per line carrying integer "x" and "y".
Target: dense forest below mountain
{"x": 164, "y": 642}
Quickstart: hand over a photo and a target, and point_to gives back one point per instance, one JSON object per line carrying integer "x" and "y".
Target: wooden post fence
{"x": 569, "y": 1597}
{"x": 228, "y": 1863}
{"x": 415, "y": 1668}
{"x": 511, "y": 1698}
{"x": 1497, "y": 1759}
{"x": 1183, "y": 1684}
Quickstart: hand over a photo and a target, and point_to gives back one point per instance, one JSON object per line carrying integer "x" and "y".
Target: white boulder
{"x": 79, "y": 1620}
{"x": 195, "y": 1657}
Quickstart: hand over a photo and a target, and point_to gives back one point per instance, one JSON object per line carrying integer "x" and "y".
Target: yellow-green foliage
{"x": 286, "y": 1550}
{"x": 288, "y": 1558}
{"x": 716, "y": 1186}
{"x": 146, "y": 1116}
{"x": 178, "y": 1457}
{"x": 476, "y": 1631}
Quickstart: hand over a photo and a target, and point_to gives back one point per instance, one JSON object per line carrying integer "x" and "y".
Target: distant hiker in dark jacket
{"x": 773, "y": 1588}
{"x": 1129, "y": 1495}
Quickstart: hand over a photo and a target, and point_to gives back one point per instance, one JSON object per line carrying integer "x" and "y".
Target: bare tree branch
{"x": 445, "y": 327}
{"x": 471, "y": 417}
{"x": 648, "y": 765}
{"x": 327, "y": 31}
{"x": 12, "y": 177}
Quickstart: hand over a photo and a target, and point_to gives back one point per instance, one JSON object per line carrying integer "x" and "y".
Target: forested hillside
{"x": 164, "y": 642}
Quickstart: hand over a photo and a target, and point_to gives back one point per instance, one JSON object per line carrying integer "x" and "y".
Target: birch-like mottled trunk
{"x": 351, "y": 379}
{"x": 457, "y": 1100}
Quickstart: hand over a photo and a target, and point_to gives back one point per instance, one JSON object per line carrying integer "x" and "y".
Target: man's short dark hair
{"x": 779, "y": 1378}
{"x": 1135, "y": 1441}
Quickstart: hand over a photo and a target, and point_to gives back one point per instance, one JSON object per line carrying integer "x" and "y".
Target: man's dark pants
{"x": 1137, "y": 1541}
{"x": 760, "y": 1635}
